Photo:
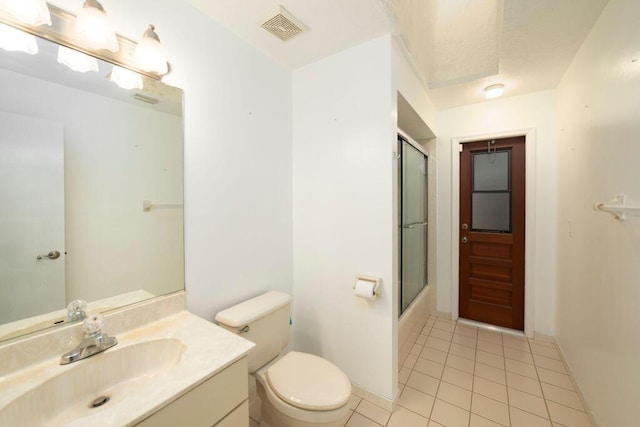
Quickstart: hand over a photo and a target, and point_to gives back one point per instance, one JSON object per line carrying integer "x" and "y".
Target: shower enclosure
{"x": 412, "y": 221}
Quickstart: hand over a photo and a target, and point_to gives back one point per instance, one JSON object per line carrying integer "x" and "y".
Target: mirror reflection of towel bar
{"x": 147, "y": 205}
{"x": 414, "y": 224}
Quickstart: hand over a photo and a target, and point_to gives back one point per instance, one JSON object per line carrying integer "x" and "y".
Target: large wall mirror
{"x": 91, "y": 190}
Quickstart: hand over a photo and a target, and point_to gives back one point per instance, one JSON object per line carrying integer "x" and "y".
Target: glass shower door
{"x": 413, "y": 228}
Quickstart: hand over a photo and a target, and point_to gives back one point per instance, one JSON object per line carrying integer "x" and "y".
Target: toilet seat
{"x": 309, "y": 382}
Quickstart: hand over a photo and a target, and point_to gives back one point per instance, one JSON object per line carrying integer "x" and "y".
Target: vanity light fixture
{"x": 14, "y": 40}
{"x": 126, "y": 79}
{"x": 30, "y": 12}
{"x": 494, "y": 91}
{"x": 76, "y": 60}
{"x": 89, "y": 32}
{"x": 149, "y": 53}
{"x": 93, "y": 28}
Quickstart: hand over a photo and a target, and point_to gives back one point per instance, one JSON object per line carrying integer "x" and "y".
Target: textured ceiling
{"x": 472, "y": 27}
{"x": 536, "y": 41}
{"x": 458, "y": 47}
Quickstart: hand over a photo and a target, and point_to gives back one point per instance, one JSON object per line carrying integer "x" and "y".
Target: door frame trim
{"x": 530, "y": 220}
{"x": 412, "y": 142}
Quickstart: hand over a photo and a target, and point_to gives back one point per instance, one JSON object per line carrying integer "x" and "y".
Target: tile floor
{"x": 460, "y": 375}
{"x": 457, "y": 375}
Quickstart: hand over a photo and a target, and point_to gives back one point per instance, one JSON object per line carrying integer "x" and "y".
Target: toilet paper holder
{"x": 375, "y": 280}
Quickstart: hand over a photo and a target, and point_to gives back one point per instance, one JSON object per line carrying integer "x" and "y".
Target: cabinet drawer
{"x": 238, "y": 418}
{"x": 208, "y": 403}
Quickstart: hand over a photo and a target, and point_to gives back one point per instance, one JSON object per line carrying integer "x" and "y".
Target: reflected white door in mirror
{"x": 31, "y": 216}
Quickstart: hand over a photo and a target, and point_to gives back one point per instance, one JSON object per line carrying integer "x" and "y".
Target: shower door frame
{"x": 403, "y": 137}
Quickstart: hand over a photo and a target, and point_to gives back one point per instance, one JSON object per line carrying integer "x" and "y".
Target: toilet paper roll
{"x": 365, "y": 289}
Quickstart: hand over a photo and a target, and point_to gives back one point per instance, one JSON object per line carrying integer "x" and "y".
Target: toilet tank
{"x": 263, "y": 320}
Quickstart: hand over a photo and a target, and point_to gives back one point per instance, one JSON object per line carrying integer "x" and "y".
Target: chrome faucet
{"x": 93, "y": 342}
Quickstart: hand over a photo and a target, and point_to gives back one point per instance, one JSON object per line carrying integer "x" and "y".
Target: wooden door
{"x": 492, "y": 232}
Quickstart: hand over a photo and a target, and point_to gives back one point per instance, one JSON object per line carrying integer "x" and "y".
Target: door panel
{"x": 492, "y": 227}
{"x": 31, "y": 217}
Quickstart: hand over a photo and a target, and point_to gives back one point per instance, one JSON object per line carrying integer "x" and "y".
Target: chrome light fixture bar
{"x": 62, "y": 31}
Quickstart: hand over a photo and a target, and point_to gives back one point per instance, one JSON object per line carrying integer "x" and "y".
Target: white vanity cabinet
{"x": 170, "y": 368}
{"x": 222, "y": 401}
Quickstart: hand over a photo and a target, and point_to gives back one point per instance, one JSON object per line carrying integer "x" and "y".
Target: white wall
{"x": 599, "y": 265}
{"x": 409, "y": 86}
{"x": 535, "y": 111}
{"x": 237, "y": 153}
{"x": 111, "y": 163}
{"x": 343, "y": 143}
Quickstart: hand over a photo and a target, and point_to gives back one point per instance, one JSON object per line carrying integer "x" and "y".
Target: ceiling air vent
{"x": 282, "y": 24}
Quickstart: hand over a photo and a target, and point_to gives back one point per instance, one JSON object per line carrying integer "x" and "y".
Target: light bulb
{"x": 14, "y": 40}
{"x": 77, "y": 61}
{"x": 126, "y": 79}
{"x": 493, "y": 91}
{"x": 149, "y": 54}
{"x": 93, "y": 28}
{"x": 30, "y": 12}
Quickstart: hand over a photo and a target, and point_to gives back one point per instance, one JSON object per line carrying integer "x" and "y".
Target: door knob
{"x": 464, "y": 239}
{"x": 464, "y": 226}
{"x": 50, "y": 255}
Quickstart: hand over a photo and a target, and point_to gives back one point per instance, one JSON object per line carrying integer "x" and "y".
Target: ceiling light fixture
{"x": 126, "y": 79}
{"x": 30, "y": 12}
{"x": 494, "y": 91}
{"x": 149, "y": 53}
{"x": 93, "y": 28}
{"x": 76, "y": 60}
{"x": 14, "y": 40}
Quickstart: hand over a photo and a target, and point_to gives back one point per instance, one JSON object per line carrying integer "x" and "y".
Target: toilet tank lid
{"x": 246, "y": 312}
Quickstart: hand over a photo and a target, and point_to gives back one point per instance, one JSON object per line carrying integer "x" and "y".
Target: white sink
{"x": 66, "y": 399}
{"x": 152, "y": 366}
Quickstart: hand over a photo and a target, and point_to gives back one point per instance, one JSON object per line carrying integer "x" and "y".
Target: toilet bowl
{"x": 296, "y": 389}
{"x": 301, "y": 389}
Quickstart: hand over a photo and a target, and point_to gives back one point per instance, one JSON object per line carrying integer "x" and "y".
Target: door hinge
{"x": 459, "y": 148}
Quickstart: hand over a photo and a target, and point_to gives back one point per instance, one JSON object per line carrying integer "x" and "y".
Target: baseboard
{"x": 537, "y": 336}
{"x": 383, "y": 402}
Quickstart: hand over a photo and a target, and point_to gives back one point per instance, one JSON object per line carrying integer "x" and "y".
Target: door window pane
{"x": 491, "y": 171}
{"x": 491, "y": 211}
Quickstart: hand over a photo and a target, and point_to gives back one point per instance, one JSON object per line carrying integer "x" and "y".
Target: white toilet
{"x": 296, "y": 389}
